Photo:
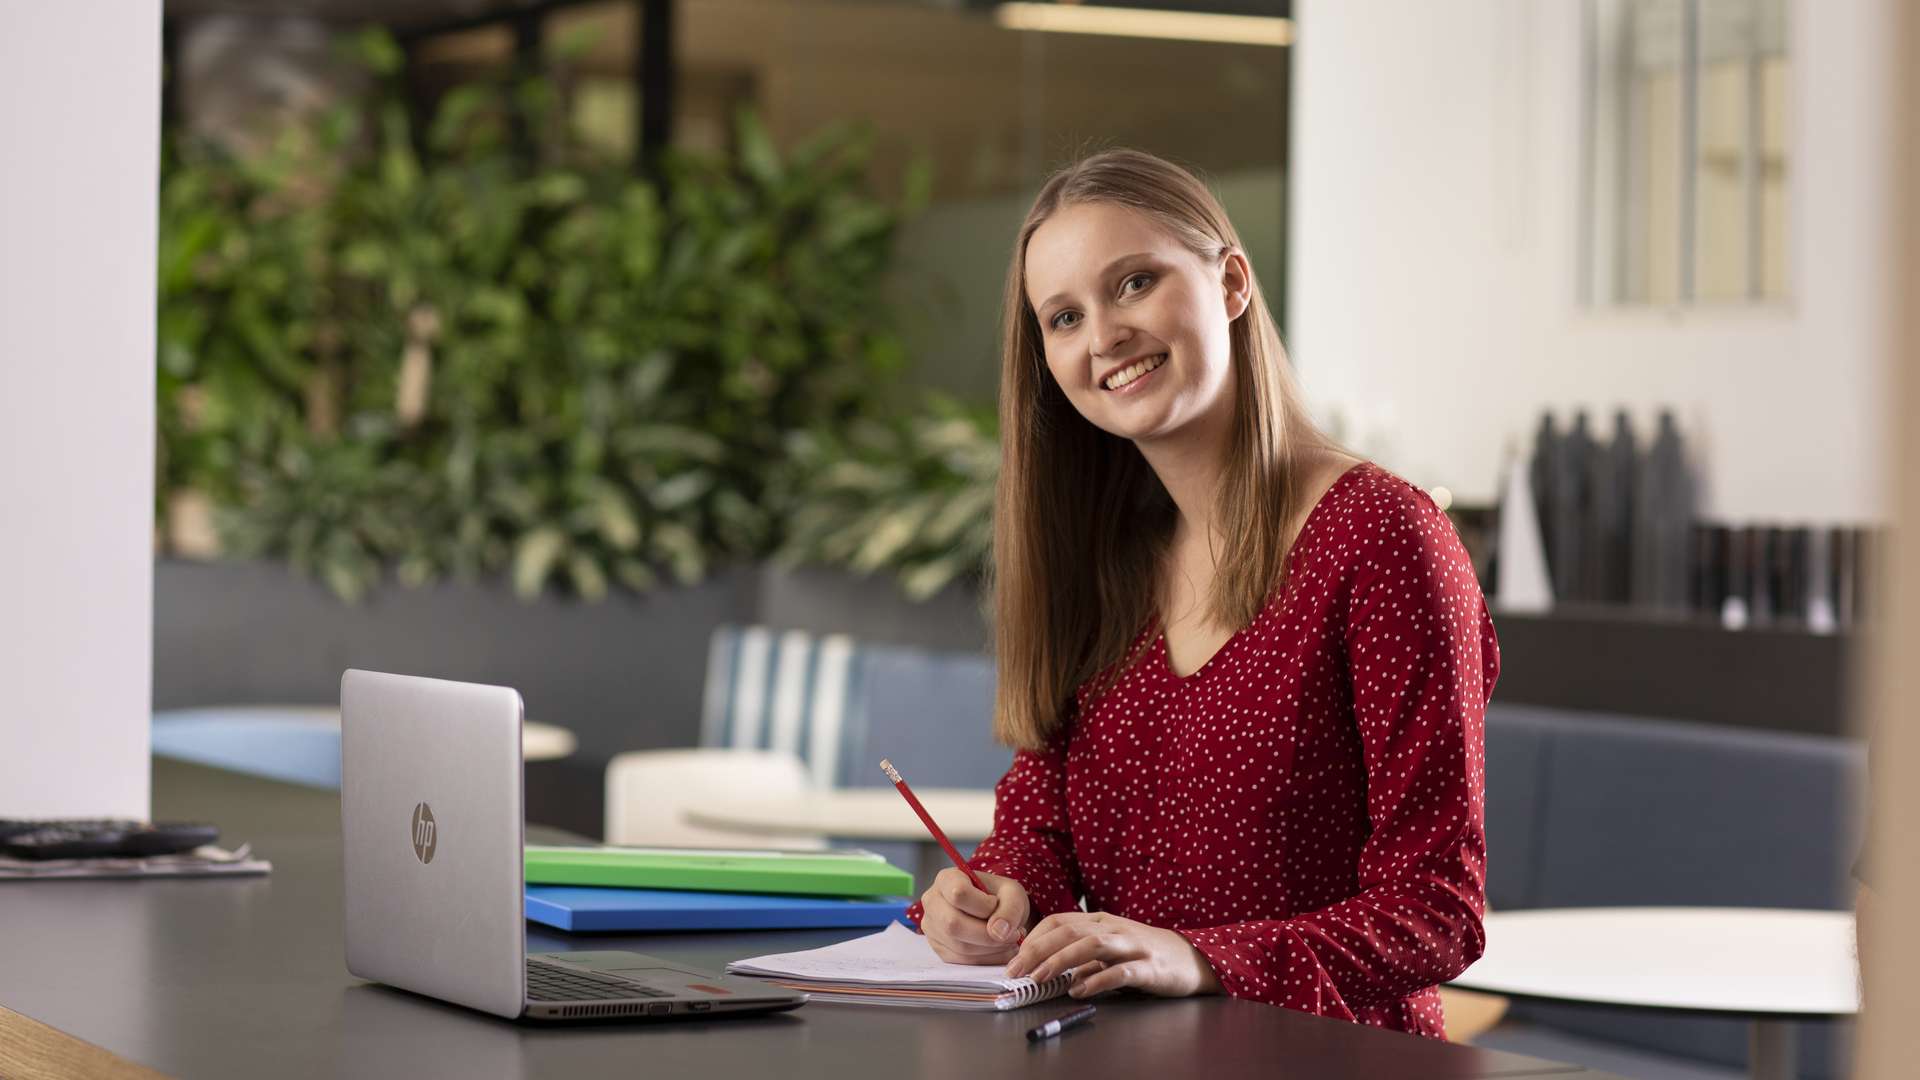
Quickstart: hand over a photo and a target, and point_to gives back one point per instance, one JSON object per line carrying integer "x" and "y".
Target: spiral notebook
{"x": 897, "y": 967}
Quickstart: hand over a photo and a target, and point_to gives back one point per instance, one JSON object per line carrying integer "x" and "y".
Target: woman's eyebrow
{"x": 1108, "y": 269}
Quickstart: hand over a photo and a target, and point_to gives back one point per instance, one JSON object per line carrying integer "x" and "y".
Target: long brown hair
{"x": 1082, "y": 523}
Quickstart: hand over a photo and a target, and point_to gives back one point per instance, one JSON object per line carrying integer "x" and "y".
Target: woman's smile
{"x": 1130, "y": 380}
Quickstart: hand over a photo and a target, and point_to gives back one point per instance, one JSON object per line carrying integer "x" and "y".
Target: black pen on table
{"x": 1061, "y": 1023}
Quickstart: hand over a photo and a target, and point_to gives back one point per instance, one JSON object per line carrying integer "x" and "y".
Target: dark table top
{"x": 246, "y": 977}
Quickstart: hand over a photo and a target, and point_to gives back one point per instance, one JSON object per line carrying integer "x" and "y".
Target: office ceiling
{"x": 807, "y": 64}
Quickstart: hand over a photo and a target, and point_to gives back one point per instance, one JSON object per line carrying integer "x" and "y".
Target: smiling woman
{"x": 1205, "y": 462}
{"x": 1245, "y": 674}
{"x": 1118, "y": 319}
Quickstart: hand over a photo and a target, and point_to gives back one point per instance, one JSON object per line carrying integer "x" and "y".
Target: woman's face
{"x": 1112, "y": 289}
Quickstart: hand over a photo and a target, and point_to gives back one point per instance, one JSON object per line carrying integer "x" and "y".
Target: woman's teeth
{"x": 1122, "y": 378}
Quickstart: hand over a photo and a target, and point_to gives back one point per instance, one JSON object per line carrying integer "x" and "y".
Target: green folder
{"x": 799, "y": 874}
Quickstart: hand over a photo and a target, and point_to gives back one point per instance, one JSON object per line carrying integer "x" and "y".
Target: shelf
{"x": 1777, "y": 677}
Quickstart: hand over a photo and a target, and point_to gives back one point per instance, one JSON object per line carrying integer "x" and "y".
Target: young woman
{"x": 1245, "y": 674}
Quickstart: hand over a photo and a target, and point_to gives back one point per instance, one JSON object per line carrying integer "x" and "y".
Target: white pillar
{"x": 79, "y": 181}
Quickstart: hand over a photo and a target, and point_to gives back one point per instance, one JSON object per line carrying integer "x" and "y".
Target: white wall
{"x": 79, "y": 169}
{"x": 1434, "y": 226}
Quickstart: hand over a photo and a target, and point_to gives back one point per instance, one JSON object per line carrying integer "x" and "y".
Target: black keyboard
{"x": 545, "y": 982}
{"x": 91, "y": 838}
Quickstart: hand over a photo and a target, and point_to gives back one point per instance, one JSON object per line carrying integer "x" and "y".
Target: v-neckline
{"x": 1165, "y": 656}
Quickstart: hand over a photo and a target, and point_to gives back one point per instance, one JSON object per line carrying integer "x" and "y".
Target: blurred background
{"x": 582, "y": 311}
{"x": 642, "y": 355}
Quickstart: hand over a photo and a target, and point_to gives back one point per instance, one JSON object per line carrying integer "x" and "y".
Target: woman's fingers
{"x": 1106, "y": 952}
{"x": 959, "y": 919}
{"x": 1109, "y": 977}
{"x": 960, "y": 892}
{"x": 1085, "y": 971}
{"x": 1048, "y": 937}
{"x": 1096, "y": 946}
{"x": 956, "y": 916}
{"x": 961, "y": 938}
{"x": 962, "y": 931}
{"x": 1008, "y": 919}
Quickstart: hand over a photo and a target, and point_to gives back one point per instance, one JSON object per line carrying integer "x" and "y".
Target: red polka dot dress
{"x": 1306, "y": 808}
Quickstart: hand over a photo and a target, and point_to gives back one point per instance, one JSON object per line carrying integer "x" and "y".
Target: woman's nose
{"x": 1111, "y": 336}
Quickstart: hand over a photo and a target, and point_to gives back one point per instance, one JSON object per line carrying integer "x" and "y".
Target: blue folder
{"x": 572, "y": 907}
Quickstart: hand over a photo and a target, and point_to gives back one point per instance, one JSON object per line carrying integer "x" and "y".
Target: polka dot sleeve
{"x": 1421, "y": 662}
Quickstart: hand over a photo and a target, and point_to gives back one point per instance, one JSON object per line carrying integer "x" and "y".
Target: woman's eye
{"x": 1057, "y": 325}
{"x": 1148, "y": 278}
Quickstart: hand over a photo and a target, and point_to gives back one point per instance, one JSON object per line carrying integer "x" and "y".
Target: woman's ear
{"x": 1236, "y": 283}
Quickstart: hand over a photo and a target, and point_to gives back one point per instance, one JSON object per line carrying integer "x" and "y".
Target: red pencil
{"x": 934, "y": 828}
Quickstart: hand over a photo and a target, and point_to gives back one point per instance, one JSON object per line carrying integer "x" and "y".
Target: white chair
{"x": 648, "y": 789}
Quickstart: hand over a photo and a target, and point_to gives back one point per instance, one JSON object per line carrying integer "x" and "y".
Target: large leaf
{"x": 614, "y": 518}
{"x": 671, "y": 440}
{"x": 534, "y": 559}
{"x": 891, "y": 535}
{"x": 758, "y": 158}
{"x": 682, "y": 549}
{"x": 965, "y": 507}
{"x": 589, "y": 580}
{"x": 680, "y": 491}
{"x": 922, "y": 581}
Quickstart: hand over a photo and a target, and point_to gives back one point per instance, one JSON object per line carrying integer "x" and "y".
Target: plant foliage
{"x": 911, "y": 494}
{"x": 435, "y": 350}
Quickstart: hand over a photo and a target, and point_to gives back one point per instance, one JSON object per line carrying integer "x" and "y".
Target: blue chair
{"x": 1590, "y": 810}
{"x": 931, "y": 712}
{"x": 840, "y": 706}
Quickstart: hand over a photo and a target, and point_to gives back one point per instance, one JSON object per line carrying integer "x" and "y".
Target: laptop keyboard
{"x": 545, "y": 982}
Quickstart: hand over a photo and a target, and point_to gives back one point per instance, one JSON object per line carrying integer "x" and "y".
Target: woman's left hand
{"x": 1111, "y": 952}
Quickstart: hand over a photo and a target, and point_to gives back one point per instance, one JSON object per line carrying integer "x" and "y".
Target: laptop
{"x": 430, "y": 807}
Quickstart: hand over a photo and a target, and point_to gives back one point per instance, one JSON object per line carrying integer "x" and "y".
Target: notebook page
{"x": 895, "y": 956}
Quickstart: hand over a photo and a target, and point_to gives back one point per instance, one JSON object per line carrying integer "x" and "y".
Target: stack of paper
{"x": 612, "y": 888}
{"x": 897, "y": 967}
{"x": 208, "y": 861}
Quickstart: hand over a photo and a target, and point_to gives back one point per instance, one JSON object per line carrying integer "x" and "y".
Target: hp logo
{"x": 423, "y": 832}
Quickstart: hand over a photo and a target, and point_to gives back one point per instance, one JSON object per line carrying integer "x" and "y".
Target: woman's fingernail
{"x": 999, "y": 929}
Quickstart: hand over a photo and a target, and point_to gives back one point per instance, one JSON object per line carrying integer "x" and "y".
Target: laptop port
{"x": 699, "y": 1006}
{"x": 658, "y": 1008}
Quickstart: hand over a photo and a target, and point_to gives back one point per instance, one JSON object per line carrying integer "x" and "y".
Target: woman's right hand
{"x": 967, "y": 926}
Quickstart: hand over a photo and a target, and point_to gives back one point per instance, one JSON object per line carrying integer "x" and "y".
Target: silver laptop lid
{"x": 430, "y": 807}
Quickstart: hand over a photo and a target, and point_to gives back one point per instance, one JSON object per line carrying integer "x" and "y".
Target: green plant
{"x": 913, "y": 494}
{"x": 235, "y": 315}
{"x": 427, "y": 351}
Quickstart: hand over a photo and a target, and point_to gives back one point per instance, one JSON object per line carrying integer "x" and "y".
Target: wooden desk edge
{"x": 31, "y": 1050}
